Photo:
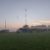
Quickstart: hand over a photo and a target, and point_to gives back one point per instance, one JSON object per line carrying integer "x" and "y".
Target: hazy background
{"x": 38, "y": 12}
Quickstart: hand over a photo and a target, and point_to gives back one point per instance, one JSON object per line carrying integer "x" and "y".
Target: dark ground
{"x": 25, "y": 41}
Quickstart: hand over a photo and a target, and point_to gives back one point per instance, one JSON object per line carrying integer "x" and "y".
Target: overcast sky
{"x": 38, "y": 12}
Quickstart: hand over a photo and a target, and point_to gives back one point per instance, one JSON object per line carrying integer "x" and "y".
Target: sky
{"x": 38, "y": 12}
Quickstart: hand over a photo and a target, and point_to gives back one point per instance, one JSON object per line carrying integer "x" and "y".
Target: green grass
{"x": 25, "y": 41}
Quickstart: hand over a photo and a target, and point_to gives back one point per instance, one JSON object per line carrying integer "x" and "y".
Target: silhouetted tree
{"x": 25, "y": 28}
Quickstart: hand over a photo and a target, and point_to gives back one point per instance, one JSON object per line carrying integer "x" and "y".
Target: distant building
{"x": 4, "y": 31}
{"x": 39, "y": 28}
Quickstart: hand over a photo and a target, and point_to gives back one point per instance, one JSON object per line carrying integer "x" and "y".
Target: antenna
{"x": 25, "y": 17}
{"x": 5, "y": 23}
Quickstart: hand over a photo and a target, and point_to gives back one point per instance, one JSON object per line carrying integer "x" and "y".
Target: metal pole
{"x": 25, "y": 17}
{"x": 5, "y": 23}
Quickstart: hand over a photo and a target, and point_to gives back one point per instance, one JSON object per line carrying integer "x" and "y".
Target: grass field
{"x": 25, "y": 41}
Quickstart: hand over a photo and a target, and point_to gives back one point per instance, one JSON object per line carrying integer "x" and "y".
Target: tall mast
{"x": 25, "y": 16}
{"x": 5, "y": 23}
